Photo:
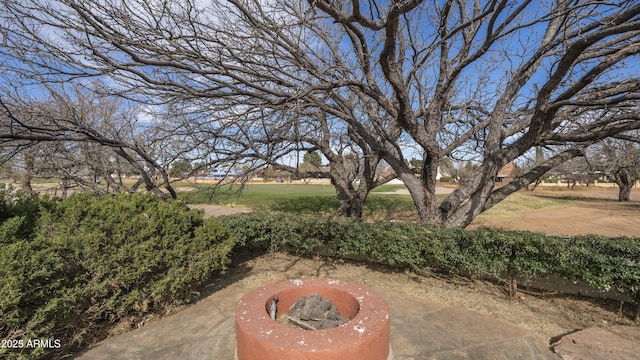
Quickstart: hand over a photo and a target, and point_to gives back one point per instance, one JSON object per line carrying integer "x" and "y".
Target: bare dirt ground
{"x": 214, "y": 210}
{"x": 593, "y": 212}
{"x": 547, "y": 314}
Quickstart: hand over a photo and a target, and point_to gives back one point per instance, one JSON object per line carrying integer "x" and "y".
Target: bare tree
{"x": 276, "y": 142}
{"x": 353, "y": 164}
{"x": 575, "y": 171}
{"x": 78, "y": 138}
{"x": 488, "y": 80}
{"x": 620, "y": 161}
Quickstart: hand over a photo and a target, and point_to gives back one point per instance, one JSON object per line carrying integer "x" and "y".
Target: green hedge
{"x": 19, "y": 213}
{"x": 603, "y": 263}
{"x": 91, "y": 260}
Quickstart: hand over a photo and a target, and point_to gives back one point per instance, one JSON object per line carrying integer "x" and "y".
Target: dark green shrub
{"x": 396, "y": 244}
{"x": 263, "y": 231}
{"x": 19, "y": 213}
{"x": 96, "y": 259}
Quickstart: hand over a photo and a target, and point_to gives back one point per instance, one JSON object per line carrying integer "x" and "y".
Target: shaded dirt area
{"x": 592, "y": 212}
{"x": 547, "y": 314}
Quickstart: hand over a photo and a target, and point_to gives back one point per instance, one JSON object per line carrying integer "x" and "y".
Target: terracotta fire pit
{"x": 366, "y": 336}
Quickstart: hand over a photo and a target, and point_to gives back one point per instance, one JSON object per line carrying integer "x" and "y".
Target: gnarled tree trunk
{"x": 625, "y": 183}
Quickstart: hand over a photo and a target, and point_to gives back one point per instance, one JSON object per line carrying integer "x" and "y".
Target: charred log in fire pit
{"x": 313, "y": 313}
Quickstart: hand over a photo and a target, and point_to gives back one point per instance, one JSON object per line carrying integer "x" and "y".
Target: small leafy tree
{"x": 312, "y": 159}
{"x": 181, "y": 168}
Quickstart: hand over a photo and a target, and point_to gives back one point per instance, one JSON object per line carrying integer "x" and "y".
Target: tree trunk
{"x": 471, "y": 197}
{"x": 351, "y": 200}
{"x": 26, "y": 182}
{"x": 534, "y": 186}
{"x": 357, "y": 205}
{"x": 477, "y": 193}
{"x": 167, "y": 184}
{"x": 146, "y": 180}
{"x": 513, "y": 287}
{"x": 352, "y": 207}
{"x": 28, "y": 173}
{"x": 625, "y": 184}
{"x": 136, "y": 185}
{"x": 64, "y": 190}
{"x": 466, "y": 212}
{"x": 625, "y": 193}
{"x": 424, "y": 200}
{"x": 111, "y": 185}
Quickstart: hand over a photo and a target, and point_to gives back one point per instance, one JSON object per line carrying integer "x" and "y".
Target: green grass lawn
{"x": 523, "y": 201}
{"x": 256, "y": 194}
{"x": 300, "y": 198}
{"x": 321, "y": 199}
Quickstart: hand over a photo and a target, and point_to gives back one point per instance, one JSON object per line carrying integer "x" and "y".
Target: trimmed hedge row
{"x": 603, "y": 263}
{"x": 68, "y": 268}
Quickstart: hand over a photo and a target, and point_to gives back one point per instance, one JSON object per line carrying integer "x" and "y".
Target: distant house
{"x": 508, "y": 172}
{"x": 223, "y": 172}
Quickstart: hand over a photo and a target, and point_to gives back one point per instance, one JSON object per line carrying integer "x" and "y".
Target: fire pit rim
{"x": 367, "y": 331}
